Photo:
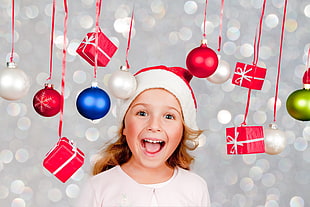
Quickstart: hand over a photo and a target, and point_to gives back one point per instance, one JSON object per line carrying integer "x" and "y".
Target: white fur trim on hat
{"x": 162, "y": 77}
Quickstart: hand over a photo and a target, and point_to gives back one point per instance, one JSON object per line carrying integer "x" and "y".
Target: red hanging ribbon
{"x": 279, "y": 63}
{"x": 257, "y": 40}
{"x": 13, "y": 26}
{"x": 98, "y": 10}
{"x": 221, "y": 26}
{"x": 205, "y": 21}
{"x": 63, "y": 72}
{"x": 129, "y": 38}
{"x": 52, "y": 39}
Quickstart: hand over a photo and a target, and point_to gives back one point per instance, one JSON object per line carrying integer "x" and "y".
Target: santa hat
{"x": 173, "y": 79}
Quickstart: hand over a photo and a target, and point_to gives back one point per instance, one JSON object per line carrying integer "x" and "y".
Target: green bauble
{"x": 298, "y": 104}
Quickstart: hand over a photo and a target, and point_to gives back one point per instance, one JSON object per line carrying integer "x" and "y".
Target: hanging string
{"x": 205, "y": 21}
{"x": 52, "y": 39}
{"x": 98, "y": 10}
{"x": 63, "y": 73}
{"x": 129, "y": 38}
{"x": 279, "y": 63}
{"x": 221, "y": 26}
{"x": 12, "y": 33}
{"x": 257, "y": 40}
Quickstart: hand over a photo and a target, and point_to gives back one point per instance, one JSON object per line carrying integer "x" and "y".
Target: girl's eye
{"x": 169, "y": 116}
{"x": 141, "y": 113}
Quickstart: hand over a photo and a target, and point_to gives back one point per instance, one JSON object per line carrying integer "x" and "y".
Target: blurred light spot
{"x": 54, "y": 195}
{"x": 246, "y": 184}
{"x": 72, "y": 191}
{"x": 255, "y": 173}
{"x": 79, "y": 76}
{"x": 285, "y": 165}
{"x": 259, "y": 117}
{"x": 271, "y": 20}
{"x": 13, "y": 109}
{"x": 271, "y": 203}
{"x": 233, "y": 33}
{"x": 24, "y": 123}
{"x": 246, "y": 50}
{"x": 185, "y": 33}
{"x": 173, "y": 37}
{"x": 31, "y": 11}
{"x": 229, "y": 48}
{"x": 268, "y": 179}
{"x": 249, "y": 159}
{"x": 92, "y": 134}
{"x": 17, "y": 186}
{"x": 22, "y": 155}
{"x": 18, "y": 202}
{"x": 224, "y": 116}
{"x": 4, "y": 192}
{"x": 190, "y": 7}
{"x": 291, "y": 25}
{"x": 86, "y": 21}
{"x": 6, "y": 156}
{"x": 300, "y": 144}
{"x": 307, "y": 11}
{"x": 297, "y": 201}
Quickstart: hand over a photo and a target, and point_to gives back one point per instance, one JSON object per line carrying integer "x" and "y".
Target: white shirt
{"x": 115, "y": 188}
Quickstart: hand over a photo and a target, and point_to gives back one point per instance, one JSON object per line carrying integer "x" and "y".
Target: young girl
{"x": 149, "y": 164}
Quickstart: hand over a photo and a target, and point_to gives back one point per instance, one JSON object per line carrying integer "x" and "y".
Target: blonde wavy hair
{"x": 118, "y": 153}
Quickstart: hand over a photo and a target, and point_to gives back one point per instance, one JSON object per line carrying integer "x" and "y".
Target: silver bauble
{"x": 122, "y": 84}
{"x": 14, "y": 83}
{"x": 275, "y": 141}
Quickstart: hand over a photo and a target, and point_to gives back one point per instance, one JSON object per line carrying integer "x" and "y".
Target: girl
{"x": 149, "y": 164}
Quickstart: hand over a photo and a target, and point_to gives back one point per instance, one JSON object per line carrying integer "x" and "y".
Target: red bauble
{"x": 47, "y": 101}
{"x": 202, "y": 61}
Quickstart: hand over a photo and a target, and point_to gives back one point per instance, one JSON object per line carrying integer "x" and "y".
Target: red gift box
{"x": 245, "y": 140}
{"x": 249, "y": 76}
{"x": 64, "y": 159}
{"x": 87, "y": 48}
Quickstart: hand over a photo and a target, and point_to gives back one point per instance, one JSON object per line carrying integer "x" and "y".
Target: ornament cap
{"x": 48, "y": 85}
{"x": 11, "y": 65}
{"x": 307, "y": 86}
{"x": 273, "y": 126}
{"x": 94, "y": 84}
{"x": 123, "y": 68}
{"x": 204, "y": 42}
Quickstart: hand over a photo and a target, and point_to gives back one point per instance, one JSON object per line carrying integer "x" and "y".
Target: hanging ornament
{"x": 47, "y": 101}
{"x": 14, "y": 83}
{"x": 122, "y": 83}
{"x": 275, "y": 141}
{"x": 93, "y": 103}
{"x": 222, "y": 73}
{"x": 298, "y": 104}
{"x": 202, "y": 61}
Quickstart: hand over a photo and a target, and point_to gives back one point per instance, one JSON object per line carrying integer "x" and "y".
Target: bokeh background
{"x": 163, "y": 33}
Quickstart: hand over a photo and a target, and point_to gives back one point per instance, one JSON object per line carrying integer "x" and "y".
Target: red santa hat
{"x": 173, "y": 79}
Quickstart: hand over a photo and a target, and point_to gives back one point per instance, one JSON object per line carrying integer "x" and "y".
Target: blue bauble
{"x": 93, "y": 103}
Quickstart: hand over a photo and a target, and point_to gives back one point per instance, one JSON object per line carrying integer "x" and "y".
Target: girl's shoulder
{"x": 189, "y": 177}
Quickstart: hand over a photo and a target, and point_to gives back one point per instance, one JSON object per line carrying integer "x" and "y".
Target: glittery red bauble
{"x": 202, "y": 61}
{"x": 47, "y": 101}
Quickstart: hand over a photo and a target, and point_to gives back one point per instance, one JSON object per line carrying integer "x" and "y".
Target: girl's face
{"x": 153, "y": 128}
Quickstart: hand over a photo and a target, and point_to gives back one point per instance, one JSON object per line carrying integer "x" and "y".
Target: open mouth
{"x": 152, "y": 146}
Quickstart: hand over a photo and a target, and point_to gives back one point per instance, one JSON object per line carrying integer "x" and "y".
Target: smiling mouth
{"x": 152, "y": 146}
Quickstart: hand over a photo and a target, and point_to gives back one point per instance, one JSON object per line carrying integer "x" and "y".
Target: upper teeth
{"x": 153, "y": 141}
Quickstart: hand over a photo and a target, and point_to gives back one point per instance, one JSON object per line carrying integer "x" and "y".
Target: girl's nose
{"x": 154, "y": 124}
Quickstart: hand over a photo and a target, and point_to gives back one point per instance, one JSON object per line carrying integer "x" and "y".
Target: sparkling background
{"x": 164, "y": 32}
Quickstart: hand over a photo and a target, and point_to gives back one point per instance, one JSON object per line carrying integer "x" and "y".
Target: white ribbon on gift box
{"x": 88, "y": 42}
{"x": 242, "y": 72}
{"x": 233, "y": 140}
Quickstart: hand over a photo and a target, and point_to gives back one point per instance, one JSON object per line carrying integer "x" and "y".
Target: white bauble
{"x": 14, "y": 83}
